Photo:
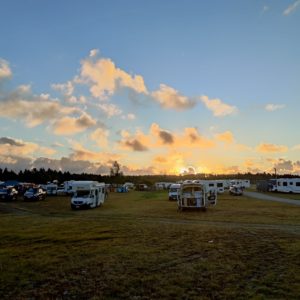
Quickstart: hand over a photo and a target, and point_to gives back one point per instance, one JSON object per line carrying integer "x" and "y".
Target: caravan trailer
{"x": 287, "y": 185}
{"x": 88, "y": 194}
{"x": 195, "y": 196}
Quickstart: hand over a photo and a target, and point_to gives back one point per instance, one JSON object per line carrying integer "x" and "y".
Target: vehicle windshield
{"x": 173, "y": 190}
{"x": 82, "y": 194}
{"x": 32, "y": 190}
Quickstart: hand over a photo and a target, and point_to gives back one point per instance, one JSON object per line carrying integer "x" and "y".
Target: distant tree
{"x": 115, "y": 170}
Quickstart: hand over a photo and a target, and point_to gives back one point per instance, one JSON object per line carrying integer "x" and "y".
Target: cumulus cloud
{"x": 192, "y": 138}
{"x": 5, "y": 71}
{"x": 110, "y": 109}
{"x": 10, "y": 141}
{"x": 128, "y": 117}
{"x": 283, "y": 166}
{"x": 72, "y": 125}
{"x": 135, "y": 145}
{"x": 168, "y": 97}
{"x": 226, "y": 137}
{"x": 105, "y": 78}
{"x": 19, "y": 148}
{"x": 164, "y": 136}
{"x": 291, "y": 8}
{"x": 94, "y": 52}
{"x": 271, "y": 148}
{"x": 33, "y": 109}
{"x": 137, "y": 142}
{"x": 218, "y": 107}
{"x": 273, "y": 107}
{"x": 100, "y": 137}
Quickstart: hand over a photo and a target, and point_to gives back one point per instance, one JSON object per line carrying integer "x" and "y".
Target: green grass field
{"x": 138, "y": 246}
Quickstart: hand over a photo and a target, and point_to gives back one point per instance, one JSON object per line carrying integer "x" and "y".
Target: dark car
{"x": 8, "y": 193}
{"x": 34, "y": 194}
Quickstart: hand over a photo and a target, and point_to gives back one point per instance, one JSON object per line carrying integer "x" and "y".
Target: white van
{"x": 88, "y": 195}
{"x": 173, "y": 191}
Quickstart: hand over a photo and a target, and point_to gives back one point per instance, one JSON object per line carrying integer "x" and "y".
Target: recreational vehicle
{"x": 287, "y": 185}
{"x": 51, "y": 189}
{"x": 88, "y": 194}
{"x": 196, "y": 196}
{"x": 243, "y": 183}
{"x": 173, "y": 191}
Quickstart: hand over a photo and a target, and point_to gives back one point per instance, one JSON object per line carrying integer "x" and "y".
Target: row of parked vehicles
{"x": 10, "y": 193}
{"x": 201, "y": 194}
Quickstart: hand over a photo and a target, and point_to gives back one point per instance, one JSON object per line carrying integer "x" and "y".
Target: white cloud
{"x": 105, "y": 78}
{"x": 94, "y": 52}
{"x": 5, "y": 71}
{"x": 100, "y": 137}
{"x": 109, "y": 109}
{"x": 73, "y": 125}
{"x": 33, "y": 109}
{"x": 218, "y": 107}
{"x": 291, "y": 8}
{"x": 168, "y": 97}
{"x": 273, "y": 107}
{"x": 129, "y": 117}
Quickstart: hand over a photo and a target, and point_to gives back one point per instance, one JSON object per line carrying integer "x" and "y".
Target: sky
{"x": 162, "y": 87}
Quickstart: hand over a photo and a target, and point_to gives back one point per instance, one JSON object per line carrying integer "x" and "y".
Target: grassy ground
{"x": 138, "y": 246}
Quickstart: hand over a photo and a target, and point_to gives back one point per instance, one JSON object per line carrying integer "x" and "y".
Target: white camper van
{"x": 287, "y": 185}
{"x": 88, "y": 194}
{"x": 51, "y": 189}
{"x": 196, "y": 196}
{"x": 174, "y": 190}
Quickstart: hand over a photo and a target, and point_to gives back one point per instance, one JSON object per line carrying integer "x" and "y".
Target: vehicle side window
{"x": 96, "y": 192}
{"x": 284, "y": 183}
{"x": 291, "y": 183}
{"x": 298, "y": 183}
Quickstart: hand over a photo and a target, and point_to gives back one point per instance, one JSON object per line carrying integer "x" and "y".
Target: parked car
{"x": 34, "y": 194}
{"x": 8, "y": 193}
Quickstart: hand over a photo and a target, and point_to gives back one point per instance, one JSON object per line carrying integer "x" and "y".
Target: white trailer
{"x": 88, "y": 194}
{"x": 174, "y": 191}
{"x": 287, "y": 185}
{"x": 196, "y": 196}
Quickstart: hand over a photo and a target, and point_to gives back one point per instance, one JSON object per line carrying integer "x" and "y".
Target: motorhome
{"x": 129, "y": 185}
{"x": 286, "y": 185}
{"x": 163, "y": 185}
{"x": 220, "y": 185}
{"x": 242, "y": 183}
{"x": 51, "y": 189}
{"x": 88, "y": 194}
{"x": 173, "y": 191}
{"x": 72, "y": 185}
{"x": 196, "y": 196}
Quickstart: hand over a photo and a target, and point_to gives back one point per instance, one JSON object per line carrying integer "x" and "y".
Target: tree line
{"x": 42, "y": 176}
